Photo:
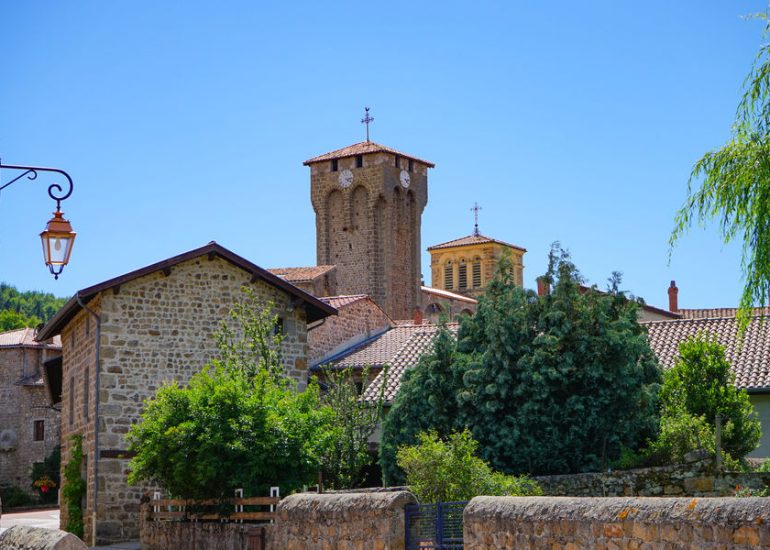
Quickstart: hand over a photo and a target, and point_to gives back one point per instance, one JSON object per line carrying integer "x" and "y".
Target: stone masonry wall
{"x": 605, "y": 523}
{"x": 349, "y": 521}
{"x": 355, "y": 322}
{"x": 371, "y": 229}
{"x": 21, "y": 405}
{"x": 186, "y": 535}
{"x": 695, "y": 479}
{"x": 154, "y": 330}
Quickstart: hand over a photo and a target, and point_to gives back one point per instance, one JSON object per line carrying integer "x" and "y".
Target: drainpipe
{"x": 96, "y": 414}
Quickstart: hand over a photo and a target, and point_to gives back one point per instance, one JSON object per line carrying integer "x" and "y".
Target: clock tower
{"x": 368, "y": 200}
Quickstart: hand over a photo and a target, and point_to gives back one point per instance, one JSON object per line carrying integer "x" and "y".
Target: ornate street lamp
{"x": 58, "y": 236}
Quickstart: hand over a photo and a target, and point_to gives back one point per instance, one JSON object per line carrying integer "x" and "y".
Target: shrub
{"x": 74, "y": 488}
{"x": 448, "y": 470}
{"x": 680, "y": 433}
{"x": 13, "y": 497}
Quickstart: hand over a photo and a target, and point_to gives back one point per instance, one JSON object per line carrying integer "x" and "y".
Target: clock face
{"x": 346, "y": 178}
{"x": 404, "y": 179}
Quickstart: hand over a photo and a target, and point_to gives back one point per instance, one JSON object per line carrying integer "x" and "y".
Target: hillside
{"x": 26, "y": 309}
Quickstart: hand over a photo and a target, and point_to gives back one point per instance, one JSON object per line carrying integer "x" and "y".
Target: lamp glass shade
{"x": 58, "y": 238}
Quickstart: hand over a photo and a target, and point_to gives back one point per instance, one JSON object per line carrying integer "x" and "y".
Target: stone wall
{"x": 24, "y": 401}
{"x": 695, "y": 479}
{"x": 358, "y": 319}
{"x": 162, "y": 535}
{"x": 155, "y": 329}
{"x": 631, "y": 523}
{"x": 370, "y": 227}
{"x": 350, "y": 521}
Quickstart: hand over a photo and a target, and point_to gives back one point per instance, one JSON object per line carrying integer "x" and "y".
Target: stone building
{"x": 29, "y": 425}
{"x": 368, "y": 200}
{"x": 467, "y": 264}
{"x": 318, "y": 280}
{"x": 125, "y": 337}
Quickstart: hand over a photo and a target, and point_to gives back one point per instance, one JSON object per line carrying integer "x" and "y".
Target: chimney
{"x": 673, "y": 297}
{"x": 543, "y": 288}
{"x": 417, "y": 316}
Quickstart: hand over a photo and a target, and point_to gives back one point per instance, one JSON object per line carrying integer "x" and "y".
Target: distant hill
{"x": 26, "y": 309}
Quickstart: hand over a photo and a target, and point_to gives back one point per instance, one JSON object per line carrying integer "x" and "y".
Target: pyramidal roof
{"x": 363, "y": 148}
{"x": 473, "y": 239}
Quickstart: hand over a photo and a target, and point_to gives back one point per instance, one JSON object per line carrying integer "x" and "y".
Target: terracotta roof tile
{"x": 750, "y": 359}
{"x": 718, "y": 312}
{"x": 400, "y": 348}
{"x": 341, "y": 301}
{"x": 361, "y": 149}
{"x": 301, "y": 274}
{"x": 473, "y": 239}
{"x": 25, "y": 337}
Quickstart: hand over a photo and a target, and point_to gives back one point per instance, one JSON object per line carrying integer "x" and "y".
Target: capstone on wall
{"x": 156, "y": 329}
{"x": 631, "y": 523}
{"x": 370, "y": 229}
{"x": 23, "y": 402}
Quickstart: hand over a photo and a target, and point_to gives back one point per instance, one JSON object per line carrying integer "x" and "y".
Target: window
{"x": 448, "y": 276}
{"x": 411, "y": 165}
{"x": 278, "y": 328}
{"x": 334, "y": 165}
{"x": 38, "y": 430}
{"x": 477, "y": 273}
{"x": 462, "y": 275}
{"x": 398, "y": 161}
{"x": 71, "y": 398}
{"x": 359, "y": 161}
{"x": 85, "y": 394}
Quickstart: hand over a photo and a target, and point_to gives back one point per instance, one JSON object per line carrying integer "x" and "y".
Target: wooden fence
{"x": 176, "y": 509}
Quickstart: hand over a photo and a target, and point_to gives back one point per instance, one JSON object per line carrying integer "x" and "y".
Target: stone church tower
{"x": 368, "y": 200}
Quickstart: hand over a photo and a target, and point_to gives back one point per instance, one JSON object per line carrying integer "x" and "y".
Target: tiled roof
{"x": 473, "y": 239}
{"x": 710, "y": 313}
{"x": 750, "y": 359}
{"x": 400, "y": 348}
{"x": 361, "y": 149}
{"x": 449, "y": 295}
{"x": 301, "y": 274}
{"x": 341, "y": 301}
{"x": 25, "y": 337}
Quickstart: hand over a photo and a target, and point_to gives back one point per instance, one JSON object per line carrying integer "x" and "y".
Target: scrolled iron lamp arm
{"x": 55, "y": 191}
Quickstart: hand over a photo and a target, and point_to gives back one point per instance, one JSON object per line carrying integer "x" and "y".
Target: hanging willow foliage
{"x": 735, "y": 188}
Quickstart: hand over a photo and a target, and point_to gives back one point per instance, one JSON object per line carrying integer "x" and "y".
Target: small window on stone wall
{"x": 278, "y": 328}
{"x": 71, "y": 398}
{"x": 398, "y": 161}
{"x": 462, "y": 275}
{"x": 476, "y": 273}
{"x": 411, "y": 165}
{"x": 359, "y": 161}
{"x": 88, "y": 326}
{"x": 38, "y": 430}
{"x": 448, "y": 276}
{"x": 334, "y": 165}
{"x": 85, "y": 394}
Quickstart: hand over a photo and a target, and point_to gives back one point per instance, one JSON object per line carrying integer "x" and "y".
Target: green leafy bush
{"x": 700, "y": 386}
{"x": 448, "y": 470}
{"x": 240, "y": 423}
{"x": 74, "y": 488}
{"x": 14, "y": 497}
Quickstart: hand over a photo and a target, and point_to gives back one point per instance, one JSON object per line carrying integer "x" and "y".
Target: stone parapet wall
{"x": 350, "y": 521}
{"x": 697, "y": 479}
{"x": 185, "y": 535}
{"x": 632, "y": 523}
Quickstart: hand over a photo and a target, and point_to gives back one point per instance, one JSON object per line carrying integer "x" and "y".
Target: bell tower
{"x": 368, "y": 200}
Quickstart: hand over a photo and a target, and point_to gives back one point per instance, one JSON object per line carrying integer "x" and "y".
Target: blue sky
{"x": 185, "y": 122}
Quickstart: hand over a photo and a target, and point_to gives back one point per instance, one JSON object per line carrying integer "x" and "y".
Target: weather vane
{"x": 475, "y": 211}
{"x": 366, "y": 120}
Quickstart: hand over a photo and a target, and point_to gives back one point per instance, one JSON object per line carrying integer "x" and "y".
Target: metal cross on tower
{"x": 366, "y": 120}
{"x": 475, "y": 211}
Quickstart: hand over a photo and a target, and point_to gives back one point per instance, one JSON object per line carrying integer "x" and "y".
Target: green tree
{"x": 547, "y": 384}
{"x": 12, "y": 320}
{"x": 732, "y": 185}
{"x": 446, "y": 470}
{"x": 26, "y": 309}
{"x": 425, "y": 401}
{"x": 353, "y": 420}
{"x": 702, "y": 385}
{"x": 240, "y": 423}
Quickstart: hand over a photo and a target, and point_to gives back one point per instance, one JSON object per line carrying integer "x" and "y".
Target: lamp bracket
{"x": 55, "y": 190}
